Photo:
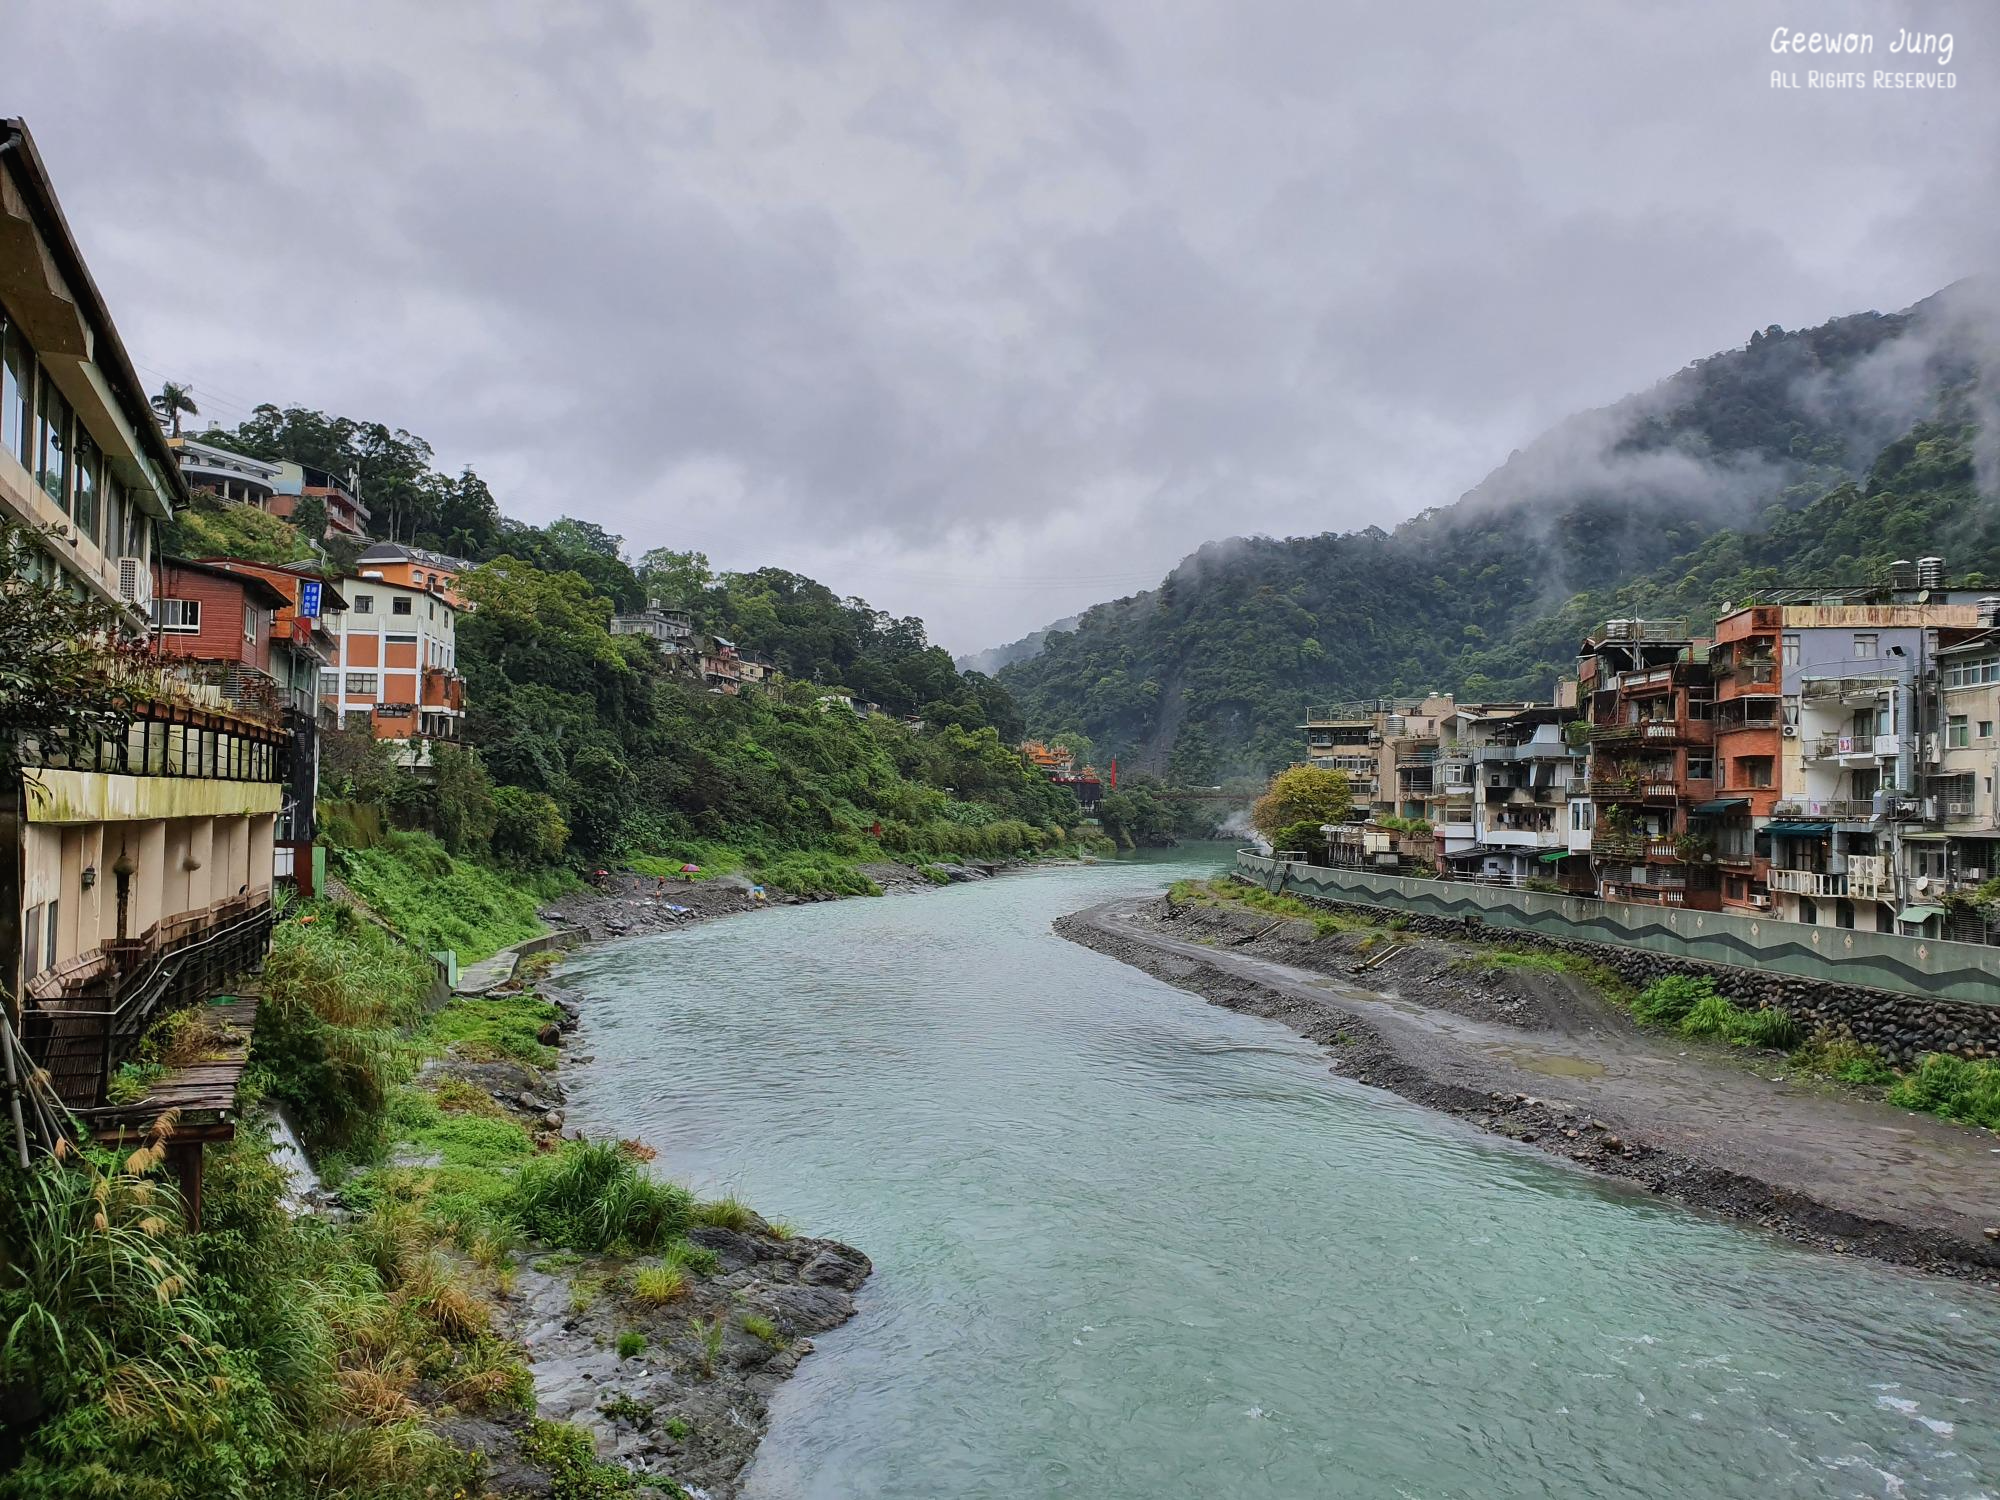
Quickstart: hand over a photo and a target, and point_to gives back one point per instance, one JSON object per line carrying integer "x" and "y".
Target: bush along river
{"x": 1128, "y": 1244}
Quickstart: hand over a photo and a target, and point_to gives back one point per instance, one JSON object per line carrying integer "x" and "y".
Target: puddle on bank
{"x": 1550, "y": 1064}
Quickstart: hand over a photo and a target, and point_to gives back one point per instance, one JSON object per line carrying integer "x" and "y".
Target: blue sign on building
{"x": 308, "y": 599}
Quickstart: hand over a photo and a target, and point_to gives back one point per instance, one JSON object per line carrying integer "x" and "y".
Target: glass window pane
{"x": 52, "y": 443}
{"x": 16, "y": 385}
{"x": 87, "y": 462}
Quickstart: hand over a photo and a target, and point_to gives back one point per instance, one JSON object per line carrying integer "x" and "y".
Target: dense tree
{"x": 1303, "y": 794}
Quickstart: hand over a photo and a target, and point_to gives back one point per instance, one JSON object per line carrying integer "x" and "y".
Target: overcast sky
{"x": 985, "y": 310}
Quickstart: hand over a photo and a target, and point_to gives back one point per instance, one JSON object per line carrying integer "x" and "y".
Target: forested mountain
{"x": 1808, "y": 456}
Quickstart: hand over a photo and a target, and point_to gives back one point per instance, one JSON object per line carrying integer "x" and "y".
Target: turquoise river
{"x": 1130, "y": 1246}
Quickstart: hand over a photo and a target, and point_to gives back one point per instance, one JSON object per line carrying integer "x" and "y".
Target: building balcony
{"x": 1806, "y": 883}
{"x": 84, "y": 1018}
{"x": 1851, "y": 747}
{"x": 1639, "y": 894}
{"x": 1610, "y": 845}
{"x": 1651, "y": 732}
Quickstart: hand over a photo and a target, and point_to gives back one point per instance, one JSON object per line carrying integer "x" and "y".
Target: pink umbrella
{"x": 690, "y": 869}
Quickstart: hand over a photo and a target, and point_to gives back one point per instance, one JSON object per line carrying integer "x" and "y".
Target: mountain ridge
{"x": 1618, "y": 505}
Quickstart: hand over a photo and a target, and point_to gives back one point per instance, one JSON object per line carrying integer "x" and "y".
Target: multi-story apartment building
{"x": 274, "y": 486}
{"x": 1649, "y": 700}
{"x": 1348, "y": 737}
{"x": 303, "y": 646}
{"x": 1524, "y": 769}
{"x": 672, "y": 630}
{"x": 1385, "y": 745}
{"x": 1964, "y": 851}
{"x": 396, "y": 650}
{"x": 135, "y": 870}
{"x": 1745, "y": 666}
{"x": 720, "y": 669}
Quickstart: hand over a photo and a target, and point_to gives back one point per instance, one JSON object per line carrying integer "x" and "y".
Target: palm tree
{"x": 172, "y": 401}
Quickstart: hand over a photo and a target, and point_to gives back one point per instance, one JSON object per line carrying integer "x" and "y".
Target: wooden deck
{"x": 204, "y": 1093}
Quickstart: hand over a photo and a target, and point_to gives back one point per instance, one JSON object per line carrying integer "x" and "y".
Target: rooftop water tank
{"x": 1930, "y": 572}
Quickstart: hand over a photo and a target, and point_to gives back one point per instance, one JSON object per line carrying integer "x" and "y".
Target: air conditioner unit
{"x": 1976, "y": 875}
{"x": 135, "y": 582}
{"x": 1761, "y": 902}
{"x": 1790, "y": 731}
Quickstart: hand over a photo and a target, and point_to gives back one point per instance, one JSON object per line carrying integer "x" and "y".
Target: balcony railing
{"x": 1618, "y": 845}
{"x": 85, "y": 1017}
{"x": 1651, "y": 732}
{"x": 1807, "y": 883}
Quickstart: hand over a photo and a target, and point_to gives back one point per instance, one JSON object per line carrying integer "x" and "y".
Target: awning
{"x": 1799, "y": 830}
{"x": 1919, "y": 913}
{"x": 1556, "y": 856}
{"x": 1720, "y": 805}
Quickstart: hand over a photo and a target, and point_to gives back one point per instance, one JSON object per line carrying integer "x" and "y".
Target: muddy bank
{"x": 626, "y": 905}
{"x": 1539, "y": 1058}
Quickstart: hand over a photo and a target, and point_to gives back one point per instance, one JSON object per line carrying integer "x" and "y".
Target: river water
{"x": 1130, "y": 1246}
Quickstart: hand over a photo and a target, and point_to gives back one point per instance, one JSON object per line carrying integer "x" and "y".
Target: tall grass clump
{"x": 1717, "y": 1016}
{"x": 1838, "y": 1055}
{"x": 592, "y": 1195}
{"x": 259, "y": 1356}
{"x": 1954, "y": 1087}
{"x": 811, "y": 873}
{"x": 1669, "y": 1000}
{"x": 337, "y": 994}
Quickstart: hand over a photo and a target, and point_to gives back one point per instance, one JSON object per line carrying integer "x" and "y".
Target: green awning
{"x": 1799, "y": 830}
{"x": 1720, "y": 805}
{"x": 1556, "y": 856}
{"x": 1919, "y": 913}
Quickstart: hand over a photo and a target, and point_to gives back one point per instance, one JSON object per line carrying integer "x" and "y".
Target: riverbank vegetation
{"x": 271, "y": 1355}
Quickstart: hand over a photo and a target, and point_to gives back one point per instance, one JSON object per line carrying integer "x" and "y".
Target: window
{"x": 329, "y": 683}
{"x": 1753, "y": 771}
{"x": 1701, "y": 769}
{"x": 1986, "y": 729}
{"x": 1973, "y": 673}
{"x": 250, "y": 613}
{"x": 31, "y": 940}
{"x": 1866, "y": 647}
{"x": 17, "y": 385}
{"x": 52, "y": 442}
{"x": 400, "y": 606}
{"x": 177, "y": 616}
{"x": 1790, "y": 647}
{"x": 1955, "y": 734}
{"x": 395, "y": 638}
{"x": 434, "y": 611}
{"x": 87, "y": 461}
{"x": 364, "y": 604}
{"x": 361, "y": 684}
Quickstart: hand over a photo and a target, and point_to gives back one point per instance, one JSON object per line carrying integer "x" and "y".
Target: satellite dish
{"x": 1923, "y": 596}
{"x": 1923, "y": 885}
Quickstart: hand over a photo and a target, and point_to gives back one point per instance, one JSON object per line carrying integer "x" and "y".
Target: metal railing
{"x": 80, "y": 1022}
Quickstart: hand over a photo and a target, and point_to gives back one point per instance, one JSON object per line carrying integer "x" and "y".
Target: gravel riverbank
{"x": 1540, "y": 1058}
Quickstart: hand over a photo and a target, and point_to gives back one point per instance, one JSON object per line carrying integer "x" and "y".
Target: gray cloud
{"x": 985, "y": 311}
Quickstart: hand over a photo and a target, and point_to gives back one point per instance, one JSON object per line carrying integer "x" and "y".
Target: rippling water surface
{"x": 1131, "y": 1245}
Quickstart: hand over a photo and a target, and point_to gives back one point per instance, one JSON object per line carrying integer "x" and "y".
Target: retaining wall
{"x": 1902, "y": 995}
